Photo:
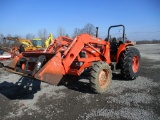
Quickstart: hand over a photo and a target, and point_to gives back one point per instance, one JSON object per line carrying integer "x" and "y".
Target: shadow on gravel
{"x": 76, "y": 83}
{"x": 118, "y": 77}
{"x": 81, "y": 84}
{"x": 24, "y": 88}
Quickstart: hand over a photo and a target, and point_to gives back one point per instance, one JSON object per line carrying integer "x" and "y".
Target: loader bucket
{"x": 13, "y": 63}
{"x": 53, "y": 71}
{"x": 42, "y": 66}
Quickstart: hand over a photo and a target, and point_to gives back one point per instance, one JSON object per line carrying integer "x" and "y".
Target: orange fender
{"x": 121, "y": 48}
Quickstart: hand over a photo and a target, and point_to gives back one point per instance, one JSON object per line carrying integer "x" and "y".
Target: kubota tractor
{"x": 75, "y": 56}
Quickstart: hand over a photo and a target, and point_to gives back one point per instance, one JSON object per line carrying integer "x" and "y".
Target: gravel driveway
{"x": 25, "y": 98}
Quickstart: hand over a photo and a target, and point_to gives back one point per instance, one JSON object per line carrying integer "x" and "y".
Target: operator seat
{"x": 113, "y": 46}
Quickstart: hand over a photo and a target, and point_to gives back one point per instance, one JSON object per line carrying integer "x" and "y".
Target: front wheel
{"x": 100, "y": 76}
{"x": 130, "y": 61}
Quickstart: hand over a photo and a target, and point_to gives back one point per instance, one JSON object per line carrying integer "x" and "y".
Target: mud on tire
{"x": 100, "y": 75}
{"x": 130, "y": 60}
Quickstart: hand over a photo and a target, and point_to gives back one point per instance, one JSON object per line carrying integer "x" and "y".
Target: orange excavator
{"x": 84, "y": 53}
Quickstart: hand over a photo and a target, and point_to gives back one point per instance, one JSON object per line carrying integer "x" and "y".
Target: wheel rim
{"x": 135, "y": 64}
{"x": 104, "y": 78}
{"x": 23, "y": 66}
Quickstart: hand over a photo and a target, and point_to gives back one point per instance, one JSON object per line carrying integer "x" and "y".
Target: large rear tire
{"x": 130, "y": 61}
{"x": 100, "y": 76}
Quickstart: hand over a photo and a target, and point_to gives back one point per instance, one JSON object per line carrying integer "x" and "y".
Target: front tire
{"x": 130, "y": 61}
{"x": 100, "y": 76}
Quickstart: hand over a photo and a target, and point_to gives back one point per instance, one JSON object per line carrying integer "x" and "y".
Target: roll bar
{"x": 114, "y": 27}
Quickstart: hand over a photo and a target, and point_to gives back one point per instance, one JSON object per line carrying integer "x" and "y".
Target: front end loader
{"x": 75, "y": 56}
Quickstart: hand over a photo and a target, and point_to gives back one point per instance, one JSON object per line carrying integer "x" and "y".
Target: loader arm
{"x": 84, "y": 42}
{"x": 58, "y": 43}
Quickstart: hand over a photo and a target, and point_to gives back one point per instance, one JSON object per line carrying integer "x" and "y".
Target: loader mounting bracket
{"x": 23, "y": 65}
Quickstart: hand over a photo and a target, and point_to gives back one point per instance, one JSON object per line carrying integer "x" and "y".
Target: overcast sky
{"x": 141, "y": 17}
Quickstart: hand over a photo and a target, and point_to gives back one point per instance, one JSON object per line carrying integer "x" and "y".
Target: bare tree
{"x": 5, "y": 42}
{"x": 30, "y": 36}
{"x": 8, "y": 42}
{"x": 61, "y": 32}
{"x": 88, "y": 28}
{"x": 76, "y": 32}
{"x": 1, "y": 39}
{"x": 17, "y": 36}
{"x": 43, "y": 34}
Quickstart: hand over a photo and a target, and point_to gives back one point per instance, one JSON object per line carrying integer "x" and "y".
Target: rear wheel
{"x": 130, "y": 61}
{"x": 100, "y": 76}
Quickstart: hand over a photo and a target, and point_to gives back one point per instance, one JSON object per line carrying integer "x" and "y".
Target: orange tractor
{"x": 81, "y": 54}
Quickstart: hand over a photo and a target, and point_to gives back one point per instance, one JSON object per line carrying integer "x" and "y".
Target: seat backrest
{"x": 114, "y": 45}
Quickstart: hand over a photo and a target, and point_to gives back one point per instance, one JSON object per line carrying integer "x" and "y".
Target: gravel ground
{"x": 25, "y": 98}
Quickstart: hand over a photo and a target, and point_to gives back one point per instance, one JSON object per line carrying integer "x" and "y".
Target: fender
{"x": 121, "y": 48}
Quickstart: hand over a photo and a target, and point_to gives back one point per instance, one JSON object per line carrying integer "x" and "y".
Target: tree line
{"x": 43, "y": 34}
{"x": 148, "y": 42}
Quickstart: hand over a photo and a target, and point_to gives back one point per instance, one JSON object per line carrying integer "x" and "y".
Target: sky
{"x": 140, "y": 17}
